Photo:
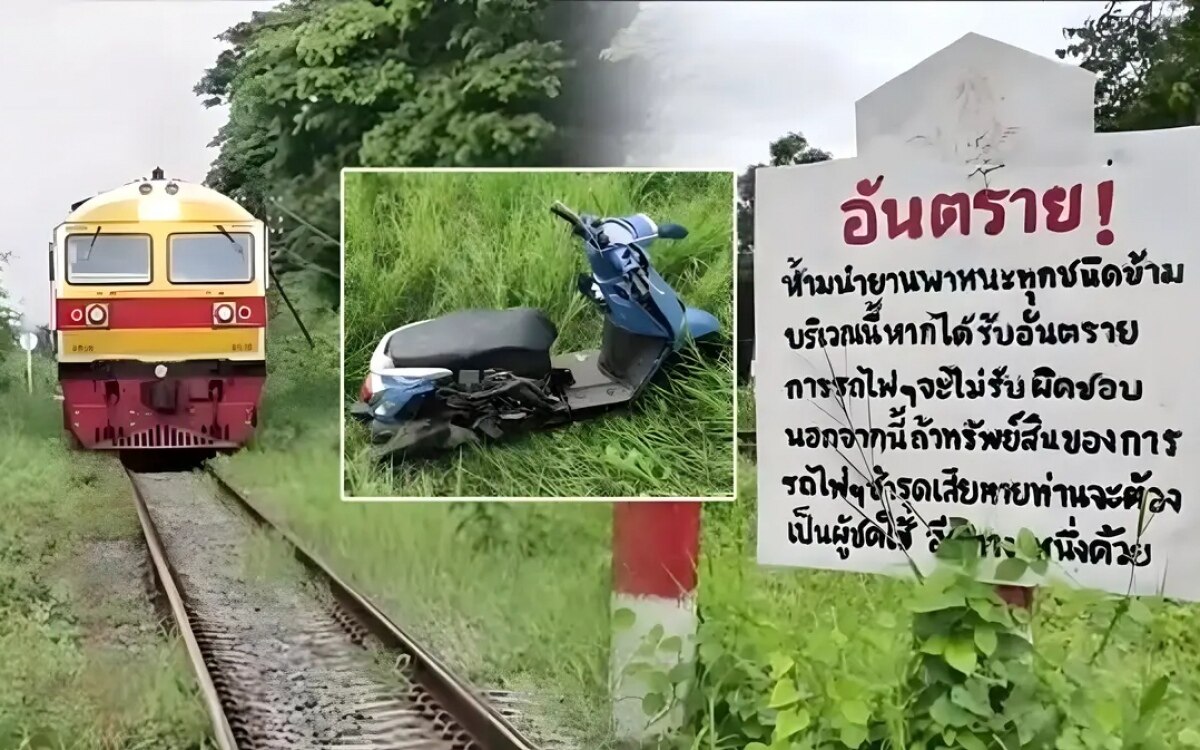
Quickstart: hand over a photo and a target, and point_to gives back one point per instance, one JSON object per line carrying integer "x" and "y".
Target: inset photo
{"x": 538, "y": 334}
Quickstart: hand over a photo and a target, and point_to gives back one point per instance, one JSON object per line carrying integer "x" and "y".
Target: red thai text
{"x": 1056, "y": 209}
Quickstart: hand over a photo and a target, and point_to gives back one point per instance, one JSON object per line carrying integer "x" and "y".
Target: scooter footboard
{"x": 592, "y": 389}
{"x": 616, "y": 373}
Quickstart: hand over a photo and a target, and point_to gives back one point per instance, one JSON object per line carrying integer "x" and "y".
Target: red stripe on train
{"x": 161, "y": 312}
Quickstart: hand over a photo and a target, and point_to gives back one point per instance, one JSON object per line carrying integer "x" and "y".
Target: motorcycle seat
{"x": 517, "y": 340}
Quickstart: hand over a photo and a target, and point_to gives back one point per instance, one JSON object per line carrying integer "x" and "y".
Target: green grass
{"x": 423, "y": 244}
{"x": 79, "y": 668}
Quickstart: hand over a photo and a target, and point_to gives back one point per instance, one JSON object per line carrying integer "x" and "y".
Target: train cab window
{"x": 108, "y": 259}
{"x": 216, "y": 258}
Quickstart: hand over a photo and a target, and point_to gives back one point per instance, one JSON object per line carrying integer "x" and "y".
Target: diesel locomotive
{"x": 159, "y": 314}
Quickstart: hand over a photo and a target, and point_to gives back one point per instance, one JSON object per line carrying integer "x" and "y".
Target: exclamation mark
{"x": 1105, "y": 193}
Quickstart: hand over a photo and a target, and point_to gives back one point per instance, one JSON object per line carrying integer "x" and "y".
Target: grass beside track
{"x": 83, "y": 663}
{"x": 419, "y": 245}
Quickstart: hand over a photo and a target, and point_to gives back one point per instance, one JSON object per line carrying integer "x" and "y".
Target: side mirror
{"x": 672, "y": 232}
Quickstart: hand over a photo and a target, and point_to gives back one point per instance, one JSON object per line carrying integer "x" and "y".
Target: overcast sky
{"x": 99, "y": 92}
{"x": 742, "y": 74}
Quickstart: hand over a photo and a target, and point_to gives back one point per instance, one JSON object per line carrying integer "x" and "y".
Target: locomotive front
{"x": 160, "y": 315}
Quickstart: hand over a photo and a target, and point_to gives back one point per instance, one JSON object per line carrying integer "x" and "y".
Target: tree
{"x": 10, "y": 319}
{"x": 317, "y": 85}
{"x": 47, "y": 341}
{"x": 792, "y": 148}
{"x": 596, "y": 117}
{"x": 1147, "y": 60}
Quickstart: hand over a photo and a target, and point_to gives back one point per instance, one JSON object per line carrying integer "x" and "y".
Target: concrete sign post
{"x": 983, "y": 315}
{"x": 28, "y": 341}
{"x": 656, "y": 546}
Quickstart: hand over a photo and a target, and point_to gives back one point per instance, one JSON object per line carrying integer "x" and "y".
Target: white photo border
{"x": 733, "y": 249}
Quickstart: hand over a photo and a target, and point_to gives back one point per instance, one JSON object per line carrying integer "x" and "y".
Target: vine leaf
{"x": 623, "y": 619}
{"x": 971, "y": 742}
{"x": 1027, "y": 545}
{"x": 671, "y": 644}
{"x": 853, "y": 735}
{"x": 1139, "y": 612}
{"x": 790, "y": 722}
{"x": 1109, "y": 716}
{"x": 652, "y": 703}
{"x": 781, "y": 664}
{"x": 1011, "y": 569}
{"x": 947, "y": 714}
{"x": 934, "y": 644}
{"x": 960, "y": 654}
{"x": 785, "y": 694}
{"x": 681, "y": 672}
{"x": 659, "y": 681}
{"x": 986, "y": 640}
{"x": 938, "y": 602}
{"x": 1152, "y": 698}
{"x": 856, "y": 712}
{"x": 976, "y": 704}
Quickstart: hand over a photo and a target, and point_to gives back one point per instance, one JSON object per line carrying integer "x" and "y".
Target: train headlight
{"x": 145, "y": 188}
{"x": 160, "y": 371}
{"x": 222, "y": 313}
{"x": 96, "y": 314}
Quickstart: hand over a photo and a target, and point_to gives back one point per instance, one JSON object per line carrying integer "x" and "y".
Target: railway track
{"x": 306, "y": 661}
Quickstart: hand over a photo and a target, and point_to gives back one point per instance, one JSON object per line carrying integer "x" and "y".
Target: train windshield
{"x": 108, "y": 259}
{"x": 211, "y": 258}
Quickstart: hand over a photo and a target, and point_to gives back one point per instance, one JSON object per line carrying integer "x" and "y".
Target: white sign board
{"x": 986, "y": 310}
{"x": 28, "y": 341}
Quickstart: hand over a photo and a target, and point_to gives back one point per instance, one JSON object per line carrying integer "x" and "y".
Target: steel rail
{"x": 165, "y": 575}
{"x": 480, "y": 720}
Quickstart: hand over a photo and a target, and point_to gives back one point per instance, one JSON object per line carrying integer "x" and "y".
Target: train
{"x": 159, "y": 317}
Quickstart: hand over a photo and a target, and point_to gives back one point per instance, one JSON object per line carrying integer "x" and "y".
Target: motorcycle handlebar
{"x": 665, "y": 231}
{"x": 564, "y": 213}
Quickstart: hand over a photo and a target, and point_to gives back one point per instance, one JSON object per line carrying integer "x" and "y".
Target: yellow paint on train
{"x": 190, "y": 203}
{"x": 160, "y": 290}
{"x": 162, "y": 344}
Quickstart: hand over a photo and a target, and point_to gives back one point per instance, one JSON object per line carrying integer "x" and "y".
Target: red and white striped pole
{"x": 656, "y": 546}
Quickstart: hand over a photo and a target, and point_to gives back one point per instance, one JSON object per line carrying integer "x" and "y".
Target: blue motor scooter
{"x": 438, "y": 383}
